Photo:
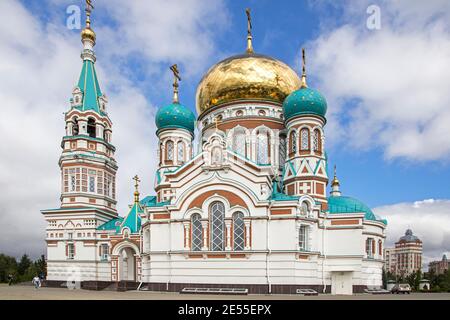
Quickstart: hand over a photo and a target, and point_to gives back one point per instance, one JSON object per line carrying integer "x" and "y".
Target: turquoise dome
{"x": 343, "y": 204}
{"x": 304, "y": 101}
{"x": 174, "y": 116}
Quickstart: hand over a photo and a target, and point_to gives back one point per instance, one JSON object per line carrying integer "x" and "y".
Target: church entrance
{"x": 127, "y": 264}
{"x": 341, "y": 282}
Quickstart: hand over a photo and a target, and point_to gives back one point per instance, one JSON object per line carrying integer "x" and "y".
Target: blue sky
{"x": 280, "y": 28}
{"x": 387, "y": 92}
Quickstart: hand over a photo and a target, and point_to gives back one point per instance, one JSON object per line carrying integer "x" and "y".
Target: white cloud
{"x": 388, "y": 88}
{"x": 428, "y": 219}
{"x": 40, "y": 64}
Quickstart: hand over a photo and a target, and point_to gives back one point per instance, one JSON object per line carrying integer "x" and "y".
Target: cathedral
{"x": 245, "y": 206}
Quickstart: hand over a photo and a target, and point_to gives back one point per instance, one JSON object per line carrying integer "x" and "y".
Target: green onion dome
{"x": 175, "y": 116}
{"x": 304, "y": 101}
{"x": 344, "y": 204}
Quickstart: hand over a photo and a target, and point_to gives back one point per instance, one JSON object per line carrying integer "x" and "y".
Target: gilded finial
{"x": 249, "y": 31}
{"x": 176, "y": 78}
{"x": 303, "y": 85}
{"x": 136, "y": 187}
{"x": 335, "y": 181}
{"x": 88, "y": 33}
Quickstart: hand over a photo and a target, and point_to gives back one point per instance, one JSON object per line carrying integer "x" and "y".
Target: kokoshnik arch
{"x": 247, "y": 208}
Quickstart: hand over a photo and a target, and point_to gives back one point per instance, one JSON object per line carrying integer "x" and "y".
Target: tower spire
{"x": 249, "y": 32}
{"x": 303, "y": 85}
{"x": 335, "y": 184}
{"x": 136, "y": 187}
{"x": 176, "y": 78}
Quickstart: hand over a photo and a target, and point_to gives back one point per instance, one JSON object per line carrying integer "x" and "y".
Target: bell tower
{"x": 305, "y": 169}
{"x": 88, "y": 167}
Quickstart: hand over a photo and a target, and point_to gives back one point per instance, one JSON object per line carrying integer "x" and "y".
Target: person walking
{"x": 10, "y": 279}
{"x": 37, "y": 282}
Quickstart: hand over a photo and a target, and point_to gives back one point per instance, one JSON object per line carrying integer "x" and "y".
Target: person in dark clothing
{"x": 10, "y": 279}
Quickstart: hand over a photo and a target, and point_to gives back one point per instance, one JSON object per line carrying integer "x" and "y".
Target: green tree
{"x": 24, "y": 264}
{"x": 8, "y": 265}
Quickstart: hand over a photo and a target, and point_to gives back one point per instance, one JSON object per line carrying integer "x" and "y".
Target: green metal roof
{"x": 304, "y": 101}
{"x": 113, "y": 224}
{"x": 88, "y": 84}
{"x": 133, "y": 219}
{"x": 345, "y": 204}
{"x": 174, "y": 116}
{"x": 151, "y": 201}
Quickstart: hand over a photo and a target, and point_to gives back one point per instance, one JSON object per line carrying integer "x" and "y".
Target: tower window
{"x": 316, "y": 140}
{"x": 262, "y": 148}
{"x": 239, "y": 141}
{"x": 304, "y": 137}
{"x": 180, "y": 152}
{"x": 217, "y": 225}
{"x": 70, "y": 251}
{"x": 282, "y": 151}
{"x": 91, "y": 184}
{"x": 293, "y": 141}
{"x": 91, "y": 128}
{"x": 75, "y": 128}
{"x": 169, "y": 150}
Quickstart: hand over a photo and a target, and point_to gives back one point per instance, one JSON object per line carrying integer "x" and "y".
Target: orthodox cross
{"x": 136, "y": 185}
{"x": 249, "y": 22}
{"x": 176, "y": 78}
{"x": 88, "y": 10}
{"x": 136, "y": 182}
{"x": 249, "y": 31}
{"x": 303, "y": 85}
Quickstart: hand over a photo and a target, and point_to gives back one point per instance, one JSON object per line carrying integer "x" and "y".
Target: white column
{"x": 228, "y": 235}
{"x": 247, "y": 234}
{"x": 205, "y": 234}
{"x": 187, "y": 235}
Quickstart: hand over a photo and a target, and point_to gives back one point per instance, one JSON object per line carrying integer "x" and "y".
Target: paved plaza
{"x": 22, "y": 292}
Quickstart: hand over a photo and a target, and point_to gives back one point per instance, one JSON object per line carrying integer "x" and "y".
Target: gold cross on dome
{"x": 136, "y": 182}
{"x": 176, "y": 78}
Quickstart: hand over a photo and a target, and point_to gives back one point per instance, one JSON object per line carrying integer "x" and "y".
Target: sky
{"x": 385, "y": 81}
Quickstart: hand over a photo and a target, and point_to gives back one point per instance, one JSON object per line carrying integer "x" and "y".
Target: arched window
{"x": 217, "y": 226}
{"x": 304, "y": 208}
{"x": 239, "y": 141}
{"x": 262, "y": 148}
{"x": 180, "y": 152}
{"x": 293, "y": 142}
{"x": 282, "y": 151}
{"x": 169, "y": 150}
{"x": 91, "y": 128}
{"x": 304, "y": 139}
{"x": 238, "y": 231}
{"x": 316, "y": 140}
{"x": 196, "y": 233}
{"x": 303, "y": 238}
{"x": 75, "y": 129}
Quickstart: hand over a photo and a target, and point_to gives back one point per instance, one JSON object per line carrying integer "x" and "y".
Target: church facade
{"x": 245, "y": 207}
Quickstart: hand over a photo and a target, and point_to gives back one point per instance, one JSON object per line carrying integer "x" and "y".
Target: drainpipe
{"x": 323, "y": 252}
{"x": 268, "y": 249}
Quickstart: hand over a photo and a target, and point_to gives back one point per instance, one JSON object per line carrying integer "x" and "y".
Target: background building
{"x": 406, "y": 257}
{"x": 439, "y": 267}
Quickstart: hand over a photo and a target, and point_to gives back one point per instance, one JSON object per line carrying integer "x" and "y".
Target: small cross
{"x": 176, "y": 75}
{"x": 304, "y": 188}
{"x": 249, "y": 21}
{"x": 136, "y": 180}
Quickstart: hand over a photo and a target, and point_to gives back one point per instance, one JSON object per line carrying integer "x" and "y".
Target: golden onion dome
{"x": 88, "y": 33}
{"x": 247, "y": 76}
